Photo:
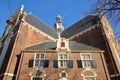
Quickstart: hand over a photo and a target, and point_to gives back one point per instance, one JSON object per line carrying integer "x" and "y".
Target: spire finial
{"x": 99, "y": 10}
{"x": 100, "y": 13}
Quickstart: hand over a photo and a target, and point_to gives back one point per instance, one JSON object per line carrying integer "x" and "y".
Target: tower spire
{"x": 59, "y": 27}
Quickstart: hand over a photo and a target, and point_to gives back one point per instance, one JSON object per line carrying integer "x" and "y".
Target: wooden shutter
{"x": 46, "y": 63}
{"x": 70, "y": 64}
{"x": 94, "y": 64}
{"x": 79, "y": 63}
{"x": 55, "y": 63}
{"x": 30, "y": 64}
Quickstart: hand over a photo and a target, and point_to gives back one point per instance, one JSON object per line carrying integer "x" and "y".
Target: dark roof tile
{"x": 80, "y": 26}
{"x": 53, "y": 45}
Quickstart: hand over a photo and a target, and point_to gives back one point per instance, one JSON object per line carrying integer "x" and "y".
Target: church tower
{"x": 59, "y": 27}
{"x": 31, "y": 50}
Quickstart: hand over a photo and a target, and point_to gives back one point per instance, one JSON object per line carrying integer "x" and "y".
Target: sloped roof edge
{"x": 76, "y": 28}
{"x": 80, "y": 26}
{"x": 41, "y": 25}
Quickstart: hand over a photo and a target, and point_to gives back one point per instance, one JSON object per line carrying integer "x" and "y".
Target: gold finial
{"x": 21, "y": 8}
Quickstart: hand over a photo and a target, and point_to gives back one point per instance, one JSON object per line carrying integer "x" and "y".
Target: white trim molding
{"x": 7, "y": 74}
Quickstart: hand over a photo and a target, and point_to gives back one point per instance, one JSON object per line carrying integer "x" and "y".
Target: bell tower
{"x": 59, "y": 27}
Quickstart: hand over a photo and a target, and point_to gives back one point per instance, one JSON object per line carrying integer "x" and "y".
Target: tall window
{"x": 62, "y": 58}
{"x": 86, "y": 60}
{"x": 39, "y": 60}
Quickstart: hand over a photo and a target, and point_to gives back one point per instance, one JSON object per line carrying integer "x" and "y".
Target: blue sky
{"x": 47, "y": 10}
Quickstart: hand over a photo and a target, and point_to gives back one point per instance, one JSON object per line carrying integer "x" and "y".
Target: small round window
{"x": 63, "y": 74}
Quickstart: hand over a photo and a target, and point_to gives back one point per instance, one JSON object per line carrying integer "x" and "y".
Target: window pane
{"x": 39, "y": 56}
{"x": 86, "y": 63}
{"x": 39, "y": 63}
{"x": 63, "y": 63}
{"x": 89, "y": 78}
{"x": 60, "y": 56}
{"x": 63, "y": 56}
{"x": 85, "y": 56}
{"x": 42, "y": 56}
{"x": 36, "y": 78}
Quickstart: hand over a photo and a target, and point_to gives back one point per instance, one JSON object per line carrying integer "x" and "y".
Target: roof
{"x": 73, "y": 45}
{"x": 43, "y": 46}
{"x": 80, "y": 26}
{"x": 40, "y": 25}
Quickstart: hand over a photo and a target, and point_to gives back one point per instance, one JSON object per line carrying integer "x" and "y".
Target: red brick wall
{"x": 53, "y": 73}
{"x": 95, "y": 37}
{"x": 25, "y": 37}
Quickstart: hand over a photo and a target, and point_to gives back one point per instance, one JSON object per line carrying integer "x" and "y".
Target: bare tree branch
{"x": 117, "y": 1}
{"x": 111, "y": 8}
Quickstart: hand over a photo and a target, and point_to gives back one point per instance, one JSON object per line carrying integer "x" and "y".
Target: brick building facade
{"x": 31, "y": 50}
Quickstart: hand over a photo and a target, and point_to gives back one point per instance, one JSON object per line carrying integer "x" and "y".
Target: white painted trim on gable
{"x": 36, "y": 44}
{"x": 7, "y": 74}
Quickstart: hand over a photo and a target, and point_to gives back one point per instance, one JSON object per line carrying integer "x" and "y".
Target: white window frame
{"x": 38, "y": 59}
{"x": 86, "y": 63}
{"x": 63, "y": 60}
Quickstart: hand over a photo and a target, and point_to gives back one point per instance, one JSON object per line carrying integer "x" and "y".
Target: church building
{"x": 32, "y": 50}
